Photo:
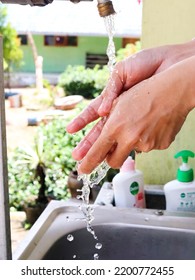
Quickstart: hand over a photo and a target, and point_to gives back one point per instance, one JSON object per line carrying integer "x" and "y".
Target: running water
{"x": 89, "y": 180}
{"x": 111, "y": 51}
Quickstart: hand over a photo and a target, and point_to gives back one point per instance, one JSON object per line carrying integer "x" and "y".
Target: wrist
{"x": 179, "y": 52}
{"x": 186, "y": 81}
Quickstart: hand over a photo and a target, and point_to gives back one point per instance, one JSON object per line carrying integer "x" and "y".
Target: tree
{"x": 38, "y": 60}
{"x": 12, "y": 53}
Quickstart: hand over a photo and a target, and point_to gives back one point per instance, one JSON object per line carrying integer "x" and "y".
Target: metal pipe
{"x": 26, "y": 2}
{"x": 5, "y": 233}
{"x": 105, "y": 7}
{"x": 35, "y": 2}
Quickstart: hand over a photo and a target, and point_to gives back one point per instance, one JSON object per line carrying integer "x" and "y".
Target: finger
{"x": 96, "y": 155}
{"x": 127, "y": 73}
{"x": 116, "y": 158}
{"x": 112, "y": 90}
{"x": 83, "y": 147}
{"x": 88, "y": 115}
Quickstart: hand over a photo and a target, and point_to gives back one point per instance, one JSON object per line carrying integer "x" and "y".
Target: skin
{"x": 143, "y": 107}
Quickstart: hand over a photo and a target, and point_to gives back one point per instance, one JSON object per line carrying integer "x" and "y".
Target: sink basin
{"x": 125, "y": 234}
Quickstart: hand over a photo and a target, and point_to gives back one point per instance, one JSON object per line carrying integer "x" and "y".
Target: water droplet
{"x": 98, "y": 246}
{"x": 96, "y": 256}
{"x": 74, "y": 256}
{"x": 146, "y": 219}
{"x": 67, "y": 218}
{"x": 70, "y": 237}
{"x": 91, "y": 230}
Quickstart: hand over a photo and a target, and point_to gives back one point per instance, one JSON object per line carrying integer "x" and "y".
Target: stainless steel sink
{"x": 125, "y": 234}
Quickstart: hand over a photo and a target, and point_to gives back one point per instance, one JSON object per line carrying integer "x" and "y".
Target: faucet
{"x": 105, "y": 7}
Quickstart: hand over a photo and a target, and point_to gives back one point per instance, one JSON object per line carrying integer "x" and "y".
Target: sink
{"x": 125, "y": 234}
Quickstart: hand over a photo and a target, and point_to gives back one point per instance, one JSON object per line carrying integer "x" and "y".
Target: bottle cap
{"x": 185, "y": 173}
{"x": 128, "y": 165}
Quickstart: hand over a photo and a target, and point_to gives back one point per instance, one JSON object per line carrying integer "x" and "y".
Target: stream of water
{"x": 89, "y": 180}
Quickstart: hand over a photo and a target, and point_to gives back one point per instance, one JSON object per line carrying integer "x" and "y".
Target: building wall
{"x": 168, "y": 22}
{"x": 56, "y": 59}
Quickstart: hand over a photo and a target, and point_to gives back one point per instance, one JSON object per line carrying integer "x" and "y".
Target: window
{"x": 60, "y": 41}
{"x": 23, "y": 39}
{"x": 129, "y": 41}
{"x": 93, "y": 59}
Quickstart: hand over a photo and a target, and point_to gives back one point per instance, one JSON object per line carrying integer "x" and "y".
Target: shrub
{"x": 22, "y": 184}
{"x": 57, "y": 159}
{"x": 58, "y": 162}
{"x": 128, "y": 50}
{"x": 78, "y": 80}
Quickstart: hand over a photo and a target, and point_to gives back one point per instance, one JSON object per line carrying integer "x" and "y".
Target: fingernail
{"x": 75, "y": 155}
{"x": 70, "y": 127}
{"x": 78, "y": 152}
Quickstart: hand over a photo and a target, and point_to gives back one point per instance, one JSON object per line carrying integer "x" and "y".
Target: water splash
{"x": 95, "y": 177}
{"x": 89, "y": 180}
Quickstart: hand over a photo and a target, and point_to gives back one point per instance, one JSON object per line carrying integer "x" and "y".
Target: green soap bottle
{"x": 180, "y": 193}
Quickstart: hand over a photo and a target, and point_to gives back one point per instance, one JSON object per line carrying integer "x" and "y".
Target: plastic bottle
{"x": 128, "y": 186}
{"x": 180, "y": 193}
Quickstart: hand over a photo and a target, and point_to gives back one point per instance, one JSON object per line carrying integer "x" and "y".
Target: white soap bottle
{"x": 180, "y": 193}
{"x": 128, "y": 186}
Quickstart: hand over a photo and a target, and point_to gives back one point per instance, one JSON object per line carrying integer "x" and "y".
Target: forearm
{"x": 185, "y": 76}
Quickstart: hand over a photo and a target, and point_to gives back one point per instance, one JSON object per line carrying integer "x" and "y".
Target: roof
{"x": 82, "y": 19}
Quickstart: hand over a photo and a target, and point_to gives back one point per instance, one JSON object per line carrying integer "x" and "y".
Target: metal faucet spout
{"x": 105, "y": 8}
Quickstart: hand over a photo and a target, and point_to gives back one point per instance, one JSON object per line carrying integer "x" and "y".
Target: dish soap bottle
{"x": 128, "y": 186}
{"x": 180, "y": 193}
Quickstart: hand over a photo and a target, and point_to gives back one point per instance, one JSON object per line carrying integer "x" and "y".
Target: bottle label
{"x": 187, "y": 201}
{"x": 134, "y": 188}
{"x": 138, "y": 194}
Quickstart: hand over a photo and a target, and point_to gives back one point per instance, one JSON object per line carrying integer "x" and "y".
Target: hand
{"x": 147, "y": 116}
{"x": 128, "y": 73}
